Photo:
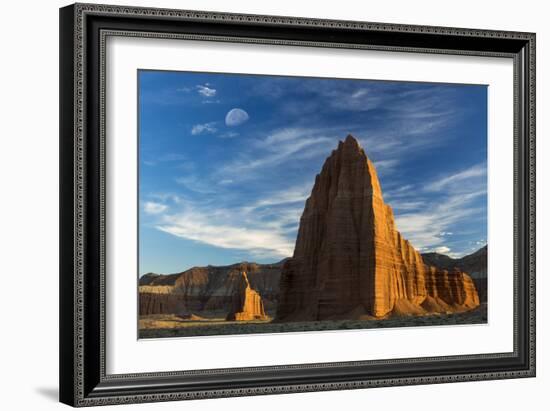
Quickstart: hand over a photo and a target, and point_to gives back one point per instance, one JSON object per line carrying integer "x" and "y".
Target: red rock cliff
{"x": 350, "y": 260}
{"x": 207, "y": 290}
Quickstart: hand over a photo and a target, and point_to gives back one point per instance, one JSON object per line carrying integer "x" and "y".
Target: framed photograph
{"x": 261, "y": 204}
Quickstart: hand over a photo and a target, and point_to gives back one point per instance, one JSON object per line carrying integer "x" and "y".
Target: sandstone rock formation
{"x": 350, "y": 260}
{"x": 207, "y": 291}
{"x": 474, "y": 264}
{"x": 453, "y": 290}
{"x": 160, "y": 299}
{"x": 247, "y": 304}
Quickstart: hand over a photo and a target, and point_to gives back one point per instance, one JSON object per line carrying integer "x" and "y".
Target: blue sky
{"x": 227, "y": 161}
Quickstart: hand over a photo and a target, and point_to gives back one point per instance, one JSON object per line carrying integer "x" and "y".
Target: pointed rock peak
{"x": 244, "y": 278}
{"x": 350, "y": 144}
{"x": 348, "y": 163}
{"x": 247, "y": 303}
{"x": 352, "y": 140}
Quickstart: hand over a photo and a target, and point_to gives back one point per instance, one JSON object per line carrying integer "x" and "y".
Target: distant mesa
{"x": 474, "y": 264}
{"x": 210, "y": 291}
{"x": 350, "y": 260}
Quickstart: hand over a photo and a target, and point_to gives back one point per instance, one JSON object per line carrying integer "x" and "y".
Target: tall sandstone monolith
{"x": 351, "y": 262}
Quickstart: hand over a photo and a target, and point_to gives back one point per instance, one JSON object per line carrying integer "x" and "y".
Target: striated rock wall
{"x": 455, "y": 288}
{"x": 349, "y": 258}
{"x": 474, "y": 264}
{"x": 206, "y": 290}
{"x": 161, "y": 303}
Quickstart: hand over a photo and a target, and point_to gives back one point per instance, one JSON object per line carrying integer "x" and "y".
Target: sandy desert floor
{"x": 159, "y": 326}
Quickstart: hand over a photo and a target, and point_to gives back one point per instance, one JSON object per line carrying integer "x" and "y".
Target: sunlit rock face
{"x": 474, "y": 264}
{"x": 350, "y": 261}
{"x": 247, "y": 303}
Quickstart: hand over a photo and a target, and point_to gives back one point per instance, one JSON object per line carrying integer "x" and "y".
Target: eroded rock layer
{"x": 160, "y": 300}
{"x": 208, "y": 291}
{"x": 474, "y": 264}
{"x": 349, "y": 257}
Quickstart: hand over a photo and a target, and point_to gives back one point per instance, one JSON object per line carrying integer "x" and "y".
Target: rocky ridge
{"x": 474, "y": 264}
{"x": 210, "y": 289}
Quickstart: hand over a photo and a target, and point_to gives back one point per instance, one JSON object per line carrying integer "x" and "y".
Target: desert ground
{"x": 169, "y": 325}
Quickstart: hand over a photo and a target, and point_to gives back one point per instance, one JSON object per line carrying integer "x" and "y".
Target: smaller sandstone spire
{"x": 247, "y": 303}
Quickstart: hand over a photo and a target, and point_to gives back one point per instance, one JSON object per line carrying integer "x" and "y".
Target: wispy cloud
{"x": 270, "y": 233}
{"x": 204, "y": 128}
{"x": 163, "y": 158}
{"x": 196, "y": 184}
{"x": 290, "y": 195}
{"x": 407, "y": 205}
{"x": 343, "y": 97}
{"x": 200, "y": 227}
{"x": 281, "y": 146}
{"x": 445, "y": 251}
{"x": 403, "y": 137}
{"x": 151, "y": 207}
{"x": 385, "y": 166}
{"x": 423, "y": 228}
{"x": 206, "y": 90}
{"x": 265, "y": 226}
{"x": 228, "y": 134}
{"x": 478, "y": 170}
{"x": 429, "y": 214}
{"x": 167, "y": 157}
